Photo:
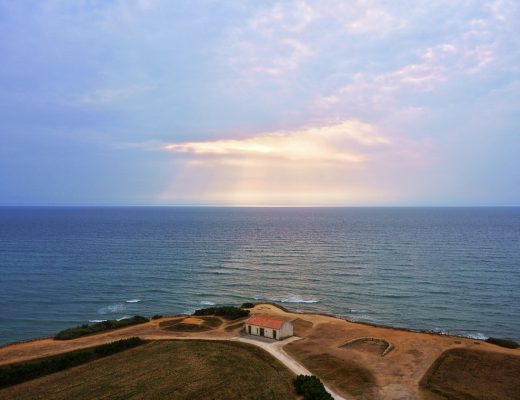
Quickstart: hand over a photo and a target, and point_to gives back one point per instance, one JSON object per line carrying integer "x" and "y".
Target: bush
{"x": 311, "y": 388}
{"x": 247, "y": 305}
{"x": 510, "y": 344}
{"x": 87, "y": 329}
{"x": 225, "y": 312}
{"x": 157, "y": 316}
{"x": 20, "y": 372}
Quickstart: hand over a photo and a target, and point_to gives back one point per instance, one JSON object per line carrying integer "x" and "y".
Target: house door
{"x": 261, "y": 331}
{"x": 249, "y": 329}
{"x": 274, "y": 334}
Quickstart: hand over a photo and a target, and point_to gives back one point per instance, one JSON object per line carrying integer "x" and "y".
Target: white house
{"x": 270, "y": 327}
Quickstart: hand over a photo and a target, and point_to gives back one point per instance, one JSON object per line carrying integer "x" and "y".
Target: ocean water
{"x": 452, "y": 270}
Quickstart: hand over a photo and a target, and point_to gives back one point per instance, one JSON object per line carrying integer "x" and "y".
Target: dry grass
{"x": 367, "y": 346}
{"x": 473, "y": 374}
{"x": 176, "y": 369}
{"x": 302, "y": 327}
{"x": 340, "y": 373}
{"x": 191, "y": 324}
{"x": 238, "y": 327}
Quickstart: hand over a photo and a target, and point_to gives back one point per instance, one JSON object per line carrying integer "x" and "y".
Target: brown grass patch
{"x": 474, "y": 374}
{"x": 191, "y": 324}
{"x": 302, "y": 327}
{"x": 234, "y": 327}
{"x": 175, "y": 369}
{"x": 343, "y": 374}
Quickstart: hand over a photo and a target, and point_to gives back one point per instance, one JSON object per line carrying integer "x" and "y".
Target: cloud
{"x": 344, "y": 142}
{"x": 329, "y": 164}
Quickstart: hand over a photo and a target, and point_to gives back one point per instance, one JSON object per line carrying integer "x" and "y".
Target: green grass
{"x": 89, "y": 329}
{"x": 510, "y": 344}
{"x": 311, "y": 388}
{"x": 13, "y": 374}
{"x": 161, "y": 370}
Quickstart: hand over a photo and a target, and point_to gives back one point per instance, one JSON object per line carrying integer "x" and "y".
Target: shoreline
{"x": 287, "y": 310}
{"x": 374, "y": 325}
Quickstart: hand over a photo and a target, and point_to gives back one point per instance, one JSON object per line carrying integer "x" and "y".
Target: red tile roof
{"x": 265, "y": 321}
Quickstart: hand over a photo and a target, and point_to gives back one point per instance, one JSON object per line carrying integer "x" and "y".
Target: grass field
{"x": 168, "y": 370}
{"x": 461, "y": 374}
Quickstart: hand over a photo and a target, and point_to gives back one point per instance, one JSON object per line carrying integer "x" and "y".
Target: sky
{"x": 291, "y": 103}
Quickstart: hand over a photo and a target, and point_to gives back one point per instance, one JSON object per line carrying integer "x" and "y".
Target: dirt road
{"x": 275, "y": 348}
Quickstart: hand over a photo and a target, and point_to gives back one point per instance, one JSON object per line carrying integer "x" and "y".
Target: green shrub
{"x": 157, "y": 316}
{"x": 510, "y": 344}
{"x": 87, "y": 329}
{"x": 225, "y": 312}
{"x": 311, "y": 388}
{"x": 13, "y": 374}
{"x": 247, "y": 305}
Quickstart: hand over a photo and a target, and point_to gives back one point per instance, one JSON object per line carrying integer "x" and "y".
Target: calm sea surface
{"x": 453, "y": 270}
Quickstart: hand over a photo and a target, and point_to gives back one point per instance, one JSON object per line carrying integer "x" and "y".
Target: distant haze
{"x": 360, "y": 102}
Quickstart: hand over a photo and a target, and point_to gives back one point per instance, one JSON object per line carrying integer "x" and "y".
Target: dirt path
{"x": 275, "y": 348}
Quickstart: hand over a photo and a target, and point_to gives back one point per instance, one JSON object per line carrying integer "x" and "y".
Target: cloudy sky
{"x": 353, "y": 102}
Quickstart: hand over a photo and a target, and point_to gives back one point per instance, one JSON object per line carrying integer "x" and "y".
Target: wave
{"x": 478, "y": 336}
{"x": 113, "y": 308}
{"x": 132, "y": 301}
{"x": 298, "y": 299}
{"x": 96, "y": 321}
{"x": 207, "y": 303}
{"x": 122, "y": 318}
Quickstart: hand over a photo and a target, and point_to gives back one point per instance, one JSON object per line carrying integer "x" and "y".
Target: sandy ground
{"x": 395, "y": 376}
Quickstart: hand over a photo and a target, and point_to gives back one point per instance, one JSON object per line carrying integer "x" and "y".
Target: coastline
{"x": 288, "y": 310}
{"x": 345, "y": 355}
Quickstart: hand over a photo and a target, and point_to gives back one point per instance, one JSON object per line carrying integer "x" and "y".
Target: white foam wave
{"x": 125, "y": 317}
{"x": 207, "y": 303}
{"x": 113, "y": 308}
{"x": 96, "y": 321}
{"x": 133, "y": 301}
{"x": 478, "y": 336}
{"x": 298, "y": 299}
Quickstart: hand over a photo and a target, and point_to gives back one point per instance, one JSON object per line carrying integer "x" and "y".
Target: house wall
{"x": 268, "y": 333}
{"x": 284, "y": 332}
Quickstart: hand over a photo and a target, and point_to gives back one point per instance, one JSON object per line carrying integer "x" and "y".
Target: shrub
{"x": 87, "y": 329}
{"x": 247, "y": 305}
{"x": 20, "y": 372}
{"x": 311, "y": 388}
{"x": 225, "y": 312}
{"x": 510, "y": 344}
{"x": 157, "y": 316}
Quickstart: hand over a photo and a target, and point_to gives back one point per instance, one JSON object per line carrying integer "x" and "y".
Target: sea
{"x": 448, "y": 270}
